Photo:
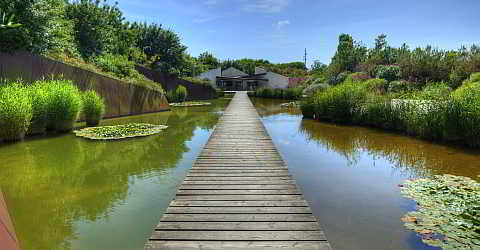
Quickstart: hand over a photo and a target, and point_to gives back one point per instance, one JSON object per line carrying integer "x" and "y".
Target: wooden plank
{"x": 239, "y": 187}
{"x": 239, "y": 210}
{"x": 237, "y": 178}
{"x": 239, "y": 226}
{"x": 238, "y": 235}
{"x": 279, "y": 174}
{"x": 238, "y": 192}
{"x": 237, "y": 245}
{"x": 270, "y": 197}
{"x": 186, "y": 203}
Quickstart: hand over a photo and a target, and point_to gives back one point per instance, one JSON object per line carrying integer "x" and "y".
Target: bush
{"x": 178, "y": 95}
{"x": 464, "y": 113}
{"x": 119, "y": 65}
{"x": 310, "y": 90}
{"x": 339, "y": 78}
{"x": 39, "y": 97}
{"x": 357, "y": 77}
{"x": 307, "y": 106}
{"x": 93, "y": 107}
{"x": 181, "y": 93}
{"x": 64, "y": 105}
{"x": 388, "y": 72}
{"x": 15, "y": 111}
{"x": 475, "y": 77}
{"x": 435, "y": 91}
{"x": 400, "y": 86}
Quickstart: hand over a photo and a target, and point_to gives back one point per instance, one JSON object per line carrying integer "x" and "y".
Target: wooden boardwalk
{"x": 239, "y": 194}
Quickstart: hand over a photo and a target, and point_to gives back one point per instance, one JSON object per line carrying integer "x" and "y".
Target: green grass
{"x": 178, "y": 95}
{"x": 64, "y": 104}
{"x": 15, "y": 111}
{"x": 40, "y": 98}
{"x": 93, "y": 107}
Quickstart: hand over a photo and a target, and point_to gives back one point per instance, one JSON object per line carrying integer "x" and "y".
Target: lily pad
{"x": 448, "y": 211}
{"x": 190, "y": 104}
{"x": 120, "y": 131}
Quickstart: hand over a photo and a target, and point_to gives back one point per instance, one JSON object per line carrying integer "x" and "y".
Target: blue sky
{"x": 280, "y": 30}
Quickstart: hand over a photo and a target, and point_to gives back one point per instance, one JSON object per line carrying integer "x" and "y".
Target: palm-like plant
{"x": 6, "y": 21}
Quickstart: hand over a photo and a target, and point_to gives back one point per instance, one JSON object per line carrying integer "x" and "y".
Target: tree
{"x": 209, "y": 60}
{"x": 318, "y": 67}
{"x": 348, "y": 55}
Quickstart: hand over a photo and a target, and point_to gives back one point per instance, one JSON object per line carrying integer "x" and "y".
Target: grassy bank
{"x": 434, "y": 112}
{"x": 52, "y": 105}
{"x": 288, "y": 94}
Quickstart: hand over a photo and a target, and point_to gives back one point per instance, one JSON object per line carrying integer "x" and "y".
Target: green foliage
{"x": 119, "y": 65}
{"x": 40, "y": 98}
{"x": 288, "y": 94}
{"x": 181, "y": 93}
{"x": 7, "y": 21}
{"x": 400, "y": 86}
{"x": 347, "y": 57}
{"x": 435, "y": 91}
{"x": 15, "y": 111}
{"x": 209, "y": 60}
{"x": 204, "y": 82}
{"x": 64, "y": 104}
{"x": 388, "y": 72}
{"x": 178, "y": 95}
{"x": 93, "y": 107}
{"x": 448, "y": 209}
{"x": 464, "y": 113}
{"x": 120, "y": 131}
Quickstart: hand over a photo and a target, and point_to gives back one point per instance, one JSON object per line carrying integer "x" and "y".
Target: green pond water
{"x": 350, "y": 175}
{"x": 65, "y": 192}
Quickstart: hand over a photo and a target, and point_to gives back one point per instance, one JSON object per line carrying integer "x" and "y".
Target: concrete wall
{"x": 275, "y": 81}
{"x": 121, "y": 98}
{"x": 195, "y": 91}
{"x": 211, "y": 75}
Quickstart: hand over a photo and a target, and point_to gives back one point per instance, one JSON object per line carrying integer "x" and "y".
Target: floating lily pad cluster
{"x": 120, "y": 131}
{"x": 190, "y": 104}
{"x": 448, "y": 211}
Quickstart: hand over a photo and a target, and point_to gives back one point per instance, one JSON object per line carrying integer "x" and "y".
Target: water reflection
{"x": 55, "y": 186}
{"x": 350, "y": 175}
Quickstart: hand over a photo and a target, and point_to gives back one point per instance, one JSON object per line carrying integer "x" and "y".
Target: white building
{"x": 234, "y": 79}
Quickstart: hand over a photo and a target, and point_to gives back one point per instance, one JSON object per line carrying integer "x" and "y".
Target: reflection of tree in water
{"x": 268, "y": 107}
{"x": 51, "y": 183}
{"x": 411, "y": 156}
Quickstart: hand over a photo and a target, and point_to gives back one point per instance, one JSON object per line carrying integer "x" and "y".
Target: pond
{"x": 65, "y": 192}
{"x": 350, "y": 175}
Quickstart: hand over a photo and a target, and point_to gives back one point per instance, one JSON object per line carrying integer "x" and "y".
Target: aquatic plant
{"x": 181, "y": 93}
{"x": 15, "y": 111}
{"x": 448, "y": 211}
{"x": 93, "y": 107}
{"x": 120, "y": 131}
{"x": 39, "y": 97}
{"x": 288, "y": 94}
{"x": 64, "y": 104}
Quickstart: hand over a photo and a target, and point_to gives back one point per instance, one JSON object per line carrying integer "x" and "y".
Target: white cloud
{"x": 265, "y": 6}
{"x": 282, "y": 24}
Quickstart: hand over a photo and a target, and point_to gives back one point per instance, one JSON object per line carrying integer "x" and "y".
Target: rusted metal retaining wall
{"x": 8, "y": 238}
{"x": 195, "y": 91}
{"x": 121, "y": 98}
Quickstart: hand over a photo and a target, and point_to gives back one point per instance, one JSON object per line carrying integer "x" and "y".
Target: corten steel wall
{"x": 8, "y": 238}
{"x": 121, "y": 98}
{"x": 195, "y": 91}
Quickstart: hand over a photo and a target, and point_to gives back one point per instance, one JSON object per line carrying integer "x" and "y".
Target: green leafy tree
{"x": 209, "y": 60}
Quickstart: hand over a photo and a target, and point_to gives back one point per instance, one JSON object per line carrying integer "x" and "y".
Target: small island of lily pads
{"x": 190, "y": 104}
{"x": 448, "y": 211}
{"x": 120, "y": 131}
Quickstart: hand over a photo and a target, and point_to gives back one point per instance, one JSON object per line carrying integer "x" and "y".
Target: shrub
{"x": 378, "y": 86}
{"x": 400, "y": 86}
{"x": 181, "y": 93}
{"x": 464, "y": 113}
{"x": 307, "y": 106}
{"x": 388, "y": 72}
{"x": 310, "y": 90}
{"x": 119, "y": 65}
{"x": 15, "y": 112}
{"x": 339, "y": 78}
{"x": 475, "y": 77}
{"x": 93, "y": 107}
{"x": 64, "y": 105}
{"x": 435, "y": 91}
{"x": 39, "y": 97}
{"x": 357, "y": 77}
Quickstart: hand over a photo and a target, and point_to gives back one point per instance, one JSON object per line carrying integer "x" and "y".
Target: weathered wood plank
{"x": 238, "y": 245}
{"x": 238, "y": 192}
{"x": 239, "y": 187}
{"x": 238, "y": 235}
{"x": 239, "y": 210}
{"x": 186, "y": 203}
{"x": 269, "y": 197}
{"x": 239, "y": 226}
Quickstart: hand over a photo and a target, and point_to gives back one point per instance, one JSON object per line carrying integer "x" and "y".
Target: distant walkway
{"x": 239, "y": 194}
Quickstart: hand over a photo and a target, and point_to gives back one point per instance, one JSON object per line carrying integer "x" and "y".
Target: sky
{"x": 280, "y": 30}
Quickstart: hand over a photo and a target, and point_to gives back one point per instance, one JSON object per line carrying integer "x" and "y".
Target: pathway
{"x": 239, "y": 194}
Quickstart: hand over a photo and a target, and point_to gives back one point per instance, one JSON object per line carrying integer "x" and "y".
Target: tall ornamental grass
{"x": 15, "y": 111}
{"x": 39, "y": 97}
{"x": 93, "y": 107}
{"x": 64, "y": 105}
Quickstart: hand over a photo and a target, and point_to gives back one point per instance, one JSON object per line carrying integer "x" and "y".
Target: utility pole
{"x": 305, "y": 57}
